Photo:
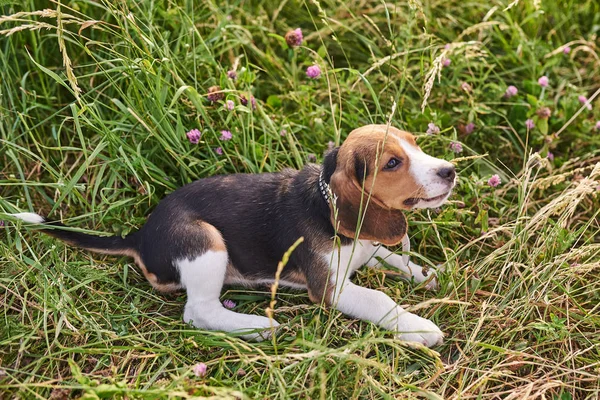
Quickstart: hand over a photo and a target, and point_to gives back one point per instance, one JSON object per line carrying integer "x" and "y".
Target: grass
{"x": 95, "y": 101}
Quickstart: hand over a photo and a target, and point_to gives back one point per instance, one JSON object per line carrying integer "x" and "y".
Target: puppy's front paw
{"x": 427, "y": 274}
{"x": 412, "y": 328}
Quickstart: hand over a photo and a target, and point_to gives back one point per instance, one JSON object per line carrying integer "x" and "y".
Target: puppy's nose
{"x": 447, "y": 173}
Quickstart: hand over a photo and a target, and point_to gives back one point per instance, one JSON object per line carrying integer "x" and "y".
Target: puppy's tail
{"x": 115, "y": 245}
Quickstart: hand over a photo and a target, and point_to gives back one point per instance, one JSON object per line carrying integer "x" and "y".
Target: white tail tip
{"x": 31, "y": 218}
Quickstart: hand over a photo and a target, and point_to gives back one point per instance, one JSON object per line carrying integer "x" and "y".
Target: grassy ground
{"x": 96, "y": 98}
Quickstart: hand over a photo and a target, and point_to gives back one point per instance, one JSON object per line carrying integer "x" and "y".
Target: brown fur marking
{"x": 216, "y": 240}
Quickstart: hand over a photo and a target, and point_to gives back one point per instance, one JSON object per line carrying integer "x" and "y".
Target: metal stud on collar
{"x": 324, "y": 188}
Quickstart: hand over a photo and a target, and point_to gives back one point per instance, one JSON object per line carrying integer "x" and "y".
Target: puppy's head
{"x": 377, "y": 172}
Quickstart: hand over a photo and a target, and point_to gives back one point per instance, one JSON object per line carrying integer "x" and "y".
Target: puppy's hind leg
{"x": 203, "y": 277}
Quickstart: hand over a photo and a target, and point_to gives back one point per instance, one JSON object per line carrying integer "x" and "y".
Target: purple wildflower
{"x": 226, "y": 135}
{"x": 244, "y": 101}
{"x": 446, "y": 62}
{"x": 494, "y": 181}
{"x": 529, "y": 124}
{"x": 230, "y": 105}
{"x": 283, "y": 132}
{"x": 219, "y": 151}
{"x": 543, "y": 81}
{"x": 313, "y": 71}
{"x": 511, "y": 91}
{"x": 432, "y": 129}
{"x": 215, "y": 94}
{"x": 597, "y": 127}
{"x": 544, "y": 112}
{"x": 456, "y": 147}
{"x": 294, "y": 38}
{"x": 199, "y": 370}
{"x": 550, "y": 156}
{"x": 447, "y": 46}
{"x": 1, "y": 224}
{"x": 583, "y": 100}
{"x": 469, "y": 128}
{"x": 567, "y": 50}
{"x": 232, "y": 75}
{"x": 229, "y": 304}
{"x": 311, "y": 157}
{"x": 194, "y": 136}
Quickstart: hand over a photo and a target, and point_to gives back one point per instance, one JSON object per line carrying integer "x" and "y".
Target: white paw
{"x": 412, "y": 328}
{"x": 432, "y": 281}
{"x": 426, "y": 274}
{"x": 261, "y": 330}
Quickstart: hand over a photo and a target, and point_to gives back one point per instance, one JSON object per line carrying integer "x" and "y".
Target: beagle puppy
{"x": 235, "y": 229}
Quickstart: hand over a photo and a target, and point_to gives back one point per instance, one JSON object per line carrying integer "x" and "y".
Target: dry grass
{"x": 95, "y": 100}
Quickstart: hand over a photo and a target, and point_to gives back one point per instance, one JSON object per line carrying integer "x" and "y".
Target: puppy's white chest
{"x": 345, "y": 260}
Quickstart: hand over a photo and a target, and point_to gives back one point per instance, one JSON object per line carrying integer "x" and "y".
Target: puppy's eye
{"x": 393, "y": 163}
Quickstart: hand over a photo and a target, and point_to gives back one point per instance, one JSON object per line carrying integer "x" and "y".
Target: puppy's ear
{"x": 361, "y": 169}
{"x": 330, "y": 163}
{"x": 357, "y": 211}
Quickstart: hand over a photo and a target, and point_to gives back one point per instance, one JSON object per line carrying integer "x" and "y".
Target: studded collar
{"x": 324, "y": 188}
